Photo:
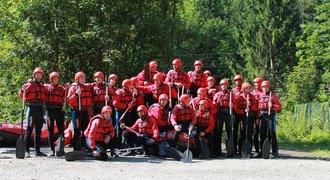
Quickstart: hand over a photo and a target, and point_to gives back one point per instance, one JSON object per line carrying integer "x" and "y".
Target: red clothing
{"x": 146, "y": 126}
{"x": 222, "y": 99}
{"x": 263, "y": 102}
{"x": 122, "y": 99}
{"x": 236, "y": 90}
{"x": 86, "y": 96}
{"x": 150, "y": 81}
{"x": 178, "y": 77}
{"x": 256, "y": 93}
{"x": 182, "y": 113}
{"x": 97, "y": 129}
{"x": 212, "y": 108}
{"x": 159, "y": 113}
{"x": 214, "y": 89}
{"x": 35, "y": 92}
{"x": 55, "y": 94}
{"x": 99, "y": 92}
{"x": 205, "y": 122}
{"x": 158, "y": 90}
{"x": 198, "y": 79}
{"x": 240, "y": 105}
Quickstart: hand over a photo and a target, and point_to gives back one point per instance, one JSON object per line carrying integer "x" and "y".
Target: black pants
{"x": 209, "y": 136}
{"x": 82, "y": 118}
{"x": 223, "y": 117}
{"x": 184, "y": 128}
{"x": 151, "y": 149}
{"x": 271, "y": 132}
{"x": 129, "y": 120}
{"x": 235, "y": 130}
{"x": 34, "y": 120}
{"x": 256, "y": 137}
{"x": 246, "y": 133}
{"x": 54, "y": 115}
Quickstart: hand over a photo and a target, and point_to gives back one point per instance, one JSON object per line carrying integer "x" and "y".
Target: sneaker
{"x": 273, "y": 156}
{"x": 52, "y": 154}
{"x": 257, "y": 155}
{"x": 40, "y": 154}
{"x": 201, "y": 157}
{"x": 27, "y": 155}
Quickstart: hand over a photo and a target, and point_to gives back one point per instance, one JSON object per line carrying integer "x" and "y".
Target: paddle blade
{"x": 205, "y": 151}
{"x": 187, "y": 157}
{"x": 246, "y": 149}
{"x": 173, "y": 153}
{"x": 266, "y": 149}
{"x": 230, "y": 147}
{"x": 75, "y": 155}
{"x": 20, "y": 147}
{"x": 60, "y": 147}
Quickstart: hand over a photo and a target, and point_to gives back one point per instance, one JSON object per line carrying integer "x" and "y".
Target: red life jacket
{"x": 99, "y": 91}
{"x": 196, "y": 100}
{"x": 222, "y": 99}
{"x": 256, "y": 93}
{"x": 147, "y": 126}
{"x": 183, "y": 114}
{"x": 55, "y": 94}
{"x": 85, "y": 95}
{"x": 123, "y": 99}
{"x": 263, "y": 102}
{"x": 102, "y": 130}
{"x": 241, "y": 104}
{"x": 204, "y": 123}
{"x": 158, "y": 90}
{"x": 178, "y": 77}
{"x": 198, "y": 79}
{"x": 236, "y": 91}
{"x": 159, "y": 114}
{"x": 35, "y": 92}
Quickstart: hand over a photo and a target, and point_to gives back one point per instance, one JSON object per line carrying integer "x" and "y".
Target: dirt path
{"x": 290, "y": 165}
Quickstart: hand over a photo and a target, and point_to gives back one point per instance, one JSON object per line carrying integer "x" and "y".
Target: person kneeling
{"x": 99, "y": 134}
{"x": 146, "y": 130}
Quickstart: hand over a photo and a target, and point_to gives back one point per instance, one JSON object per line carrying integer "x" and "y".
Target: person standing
{"x": 35, "y": 96}
{"x": 197, "y": 78}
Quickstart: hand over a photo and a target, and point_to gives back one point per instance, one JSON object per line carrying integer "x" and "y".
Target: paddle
{"x": 246, "y": 146}
{"x": 187, "y": 155}
{"x": 80, "y": 139}
{"x": 266, "y": 144}
{"x": 205, "y": 150}
{"x": 230, "y": 142}
{"x": 170, "y": 98}
{"x": 106, "y": 93}
{"x": 75, "y": 155}
{"x": 20, "y": 143}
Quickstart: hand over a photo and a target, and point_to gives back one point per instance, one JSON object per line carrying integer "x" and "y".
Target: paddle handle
{"x": 64, "y": 103}
{"x": 182, "y": 89}
{"x": 79, "y": 99}
{"x": 247, "y": 105}
{"x": 122, "y": 116}
{"x": 269, "y": 100}
{"x": 106, "y": 93}
{"x": 170, "y": 93}
{"x": 230, "y": 102}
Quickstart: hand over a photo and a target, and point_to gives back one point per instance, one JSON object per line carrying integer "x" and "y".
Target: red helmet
{"x": 153, "y": 64}
{"x": 202, "y": 91}
{"x": 265, "y": 83}
{"x": 258, "y": 80}
{"x": 78, "y": 75}
{"x": 105, "y": 109}
{"x": 207, "y": 72}
{"x": 127, "y": 83}
{"x": 142, "y": 108}
{"x": 224, "y": 81}
{"x": 246, "y": 85}
{"x": 184, "y": 98}
{"x": 238, "y": 77}
{"x": 163, "y": 96}
{"x": 178, "y": 62}
{"x": 112, "y": 76}
{"x": 38, "y": 69}
{"x": 99, "y": 74}
{"x": 210, "y": 78}
{"x": 53, "y": 74}
{"x": 198, "y": 62}
{"x": 134, "y": 80}
{"x": 205, "y": 103}
{"x": 158, "y": 76}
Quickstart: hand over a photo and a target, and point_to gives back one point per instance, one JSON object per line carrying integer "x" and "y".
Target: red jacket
{"x": 99, "y": 92}
{"x": 158, "y": 90}
{"x": 263, "y": 102}
{"x": 236, "y": 90}
{"x": 86, "y": 96}
{"x": 150, "y": 81}
{"x": 122, "y": 99}
{"x": 55, "y": 94}
{"x": 182, "y": 113}
{"x": 256, "y": 93}
{"x": 198, "y": 79}
{"x": 222, "y": 99}
{"x": 35, "y": 92}
{"x": 240, "y": 105}
{"x": 97, "y": 129}
{"x": 204, "y": 122}
{"x": 146, "y": 126}
{"x": 159, "y": 113}
{"x": 212, "y": 108}
{"x": 178, "y": 77}
{"x": 214, "y": 89}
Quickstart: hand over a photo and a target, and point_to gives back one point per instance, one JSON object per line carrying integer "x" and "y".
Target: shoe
{"x": 273, "y": 156}
{"x": 257, "y": 155}
{"x": 52, "y": 154}
{"x": 201, "y": 157}
{"x": 27, "y": 155}
{"x": 144, "y": 154}
{"x": 40, "y": 154}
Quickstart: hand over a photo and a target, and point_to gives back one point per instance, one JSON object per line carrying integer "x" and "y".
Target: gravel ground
{"x": 290, "y": 165}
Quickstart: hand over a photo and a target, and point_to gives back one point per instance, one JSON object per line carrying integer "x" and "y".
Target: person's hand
{"x": 212, "y": 91}
{"x": 122, "y": 126}
{"x": 249, "y": 103}
{"x": 206, "y": 114}
{"x": 96, "y": 153}
{"x": 270, "y": 104}
{"x": 145, "y": 83}
{"x": 107, "y": 139}
{"x": 24, "y": 87}
{"x": 177, "y": 128}
{"x": 107, "y": 97}
{"x": 67, "y": 85}
{"x": 178, "y": 85}
{"x": 151, "y": 140}
{"x": 191, "y": 127}
{"x": 231, "y": 105}
{"x": 201, "y": 134}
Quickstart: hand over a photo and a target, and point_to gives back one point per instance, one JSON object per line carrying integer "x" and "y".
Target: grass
{"x": 321, "y": 147}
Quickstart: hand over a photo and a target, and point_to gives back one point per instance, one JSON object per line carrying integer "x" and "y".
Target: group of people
{"x": 151, "y": 109}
